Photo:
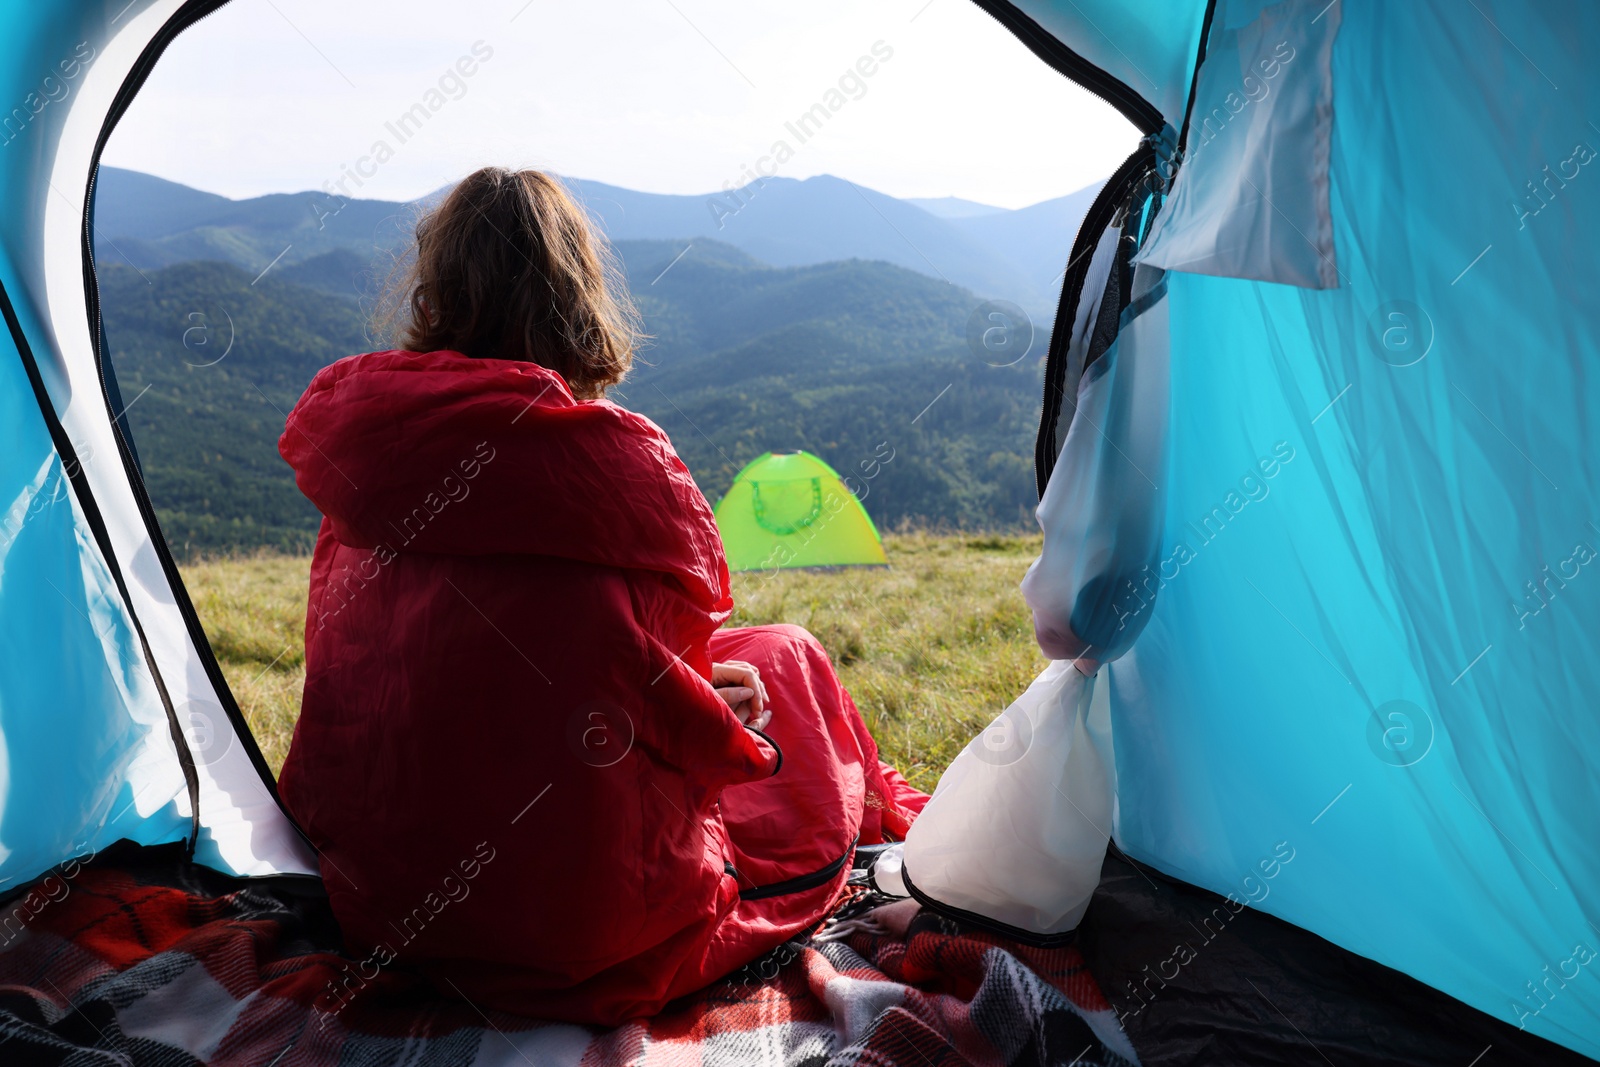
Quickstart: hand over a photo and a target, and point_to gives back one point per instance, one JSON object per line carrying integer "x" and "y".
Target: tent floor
{"x": 1261, "y": 991}
{"x": 1258, "y": 993}
{"x": 140, "y": 957}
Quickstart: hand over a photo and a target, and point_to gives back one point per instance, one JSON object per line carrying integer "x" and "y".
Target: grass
{"x": 931, "y": 648}
{"x": 254, "y": 612}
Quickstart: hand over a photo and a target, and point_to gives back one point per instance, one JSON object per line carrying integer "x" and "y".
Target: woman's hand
{"x": 739, "y": 685}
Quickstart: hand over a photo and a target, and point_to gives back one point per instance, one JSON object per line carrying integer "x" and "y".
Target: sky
{"x": 924, "y": 98}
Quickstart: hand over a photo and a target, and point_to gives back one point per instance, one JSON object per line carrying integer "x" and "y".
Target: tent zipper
{"x": 1149, "y": 121}
{"x": 1054, "y": 51}
{"x": 186, "y": 16}
{"x": 983, "y": 922}
{"x": 1194, "y": 80}
{"x": 1112, "y": 199}
{"x": 1139, "y": 165}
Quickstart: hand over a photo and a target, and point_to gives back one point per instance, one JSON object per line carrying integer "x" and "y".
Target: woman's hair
{"x": 508, "y": 267}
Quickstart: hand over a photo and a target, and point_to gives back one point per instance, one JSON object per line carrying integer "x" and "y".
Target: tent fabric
{"x": 86, "y": 751}
{"x": 1264, "y": 105}
{"x": 513, "y": 616}
{"x": 790, "y": 509}
{"x": 86, "y": 564}
{"x": 1337, "y": 564}
{"x": 1018, "y": 824}
{"x": 1149, "y": 46}
{"x": 1364, "y": 633}
{"x": 1377, "y": 643}
{"x": 1104, "y": 505}
{"x": 1101, "y": 258}
{"x": 1016, "y": 829}
{"x": 1097, "y": 287}
{"x": 1198, "y": 979}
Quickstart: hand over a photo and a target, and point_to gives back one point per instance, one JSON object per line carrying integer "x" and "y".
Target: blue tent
{"x": 1316, "y": 465}
{"x": 1317, "y": 475}
{"x": 115, "y": 720}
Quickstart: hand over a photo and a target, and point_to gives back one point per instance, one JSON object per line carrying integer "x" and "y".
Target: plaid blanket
{"x": 139, "y": 958}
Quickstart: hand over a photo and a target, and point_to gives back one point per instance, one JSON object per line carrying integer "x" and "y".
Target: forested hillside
{"x": 839, "y": 359}
{"x": 854, "y": 361}
{"x": 208, "y": 364}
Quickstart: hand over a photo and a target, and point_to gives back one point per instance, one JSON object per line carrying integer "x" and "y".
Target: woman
{"x": 535, "y": 768}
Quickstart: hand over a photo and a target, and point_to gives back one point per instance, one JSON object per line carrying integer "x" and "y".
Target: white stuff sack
{"x": 1017, "y": 828}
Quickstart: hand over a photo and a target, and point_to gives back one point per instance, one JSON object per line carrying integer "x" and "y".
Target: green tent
{"x": 790, "y": 509}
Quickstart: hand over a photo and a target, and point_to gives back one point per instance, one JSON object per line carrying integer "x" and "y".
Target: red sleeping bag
{"x": 510, "y": 754}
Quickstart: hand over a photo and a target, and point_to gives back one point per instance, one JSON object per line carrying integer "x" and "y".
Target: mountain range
{"x": 996, "y": 253}
{"x": 863, "y": 363}
{"x": 214, "y": 330}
